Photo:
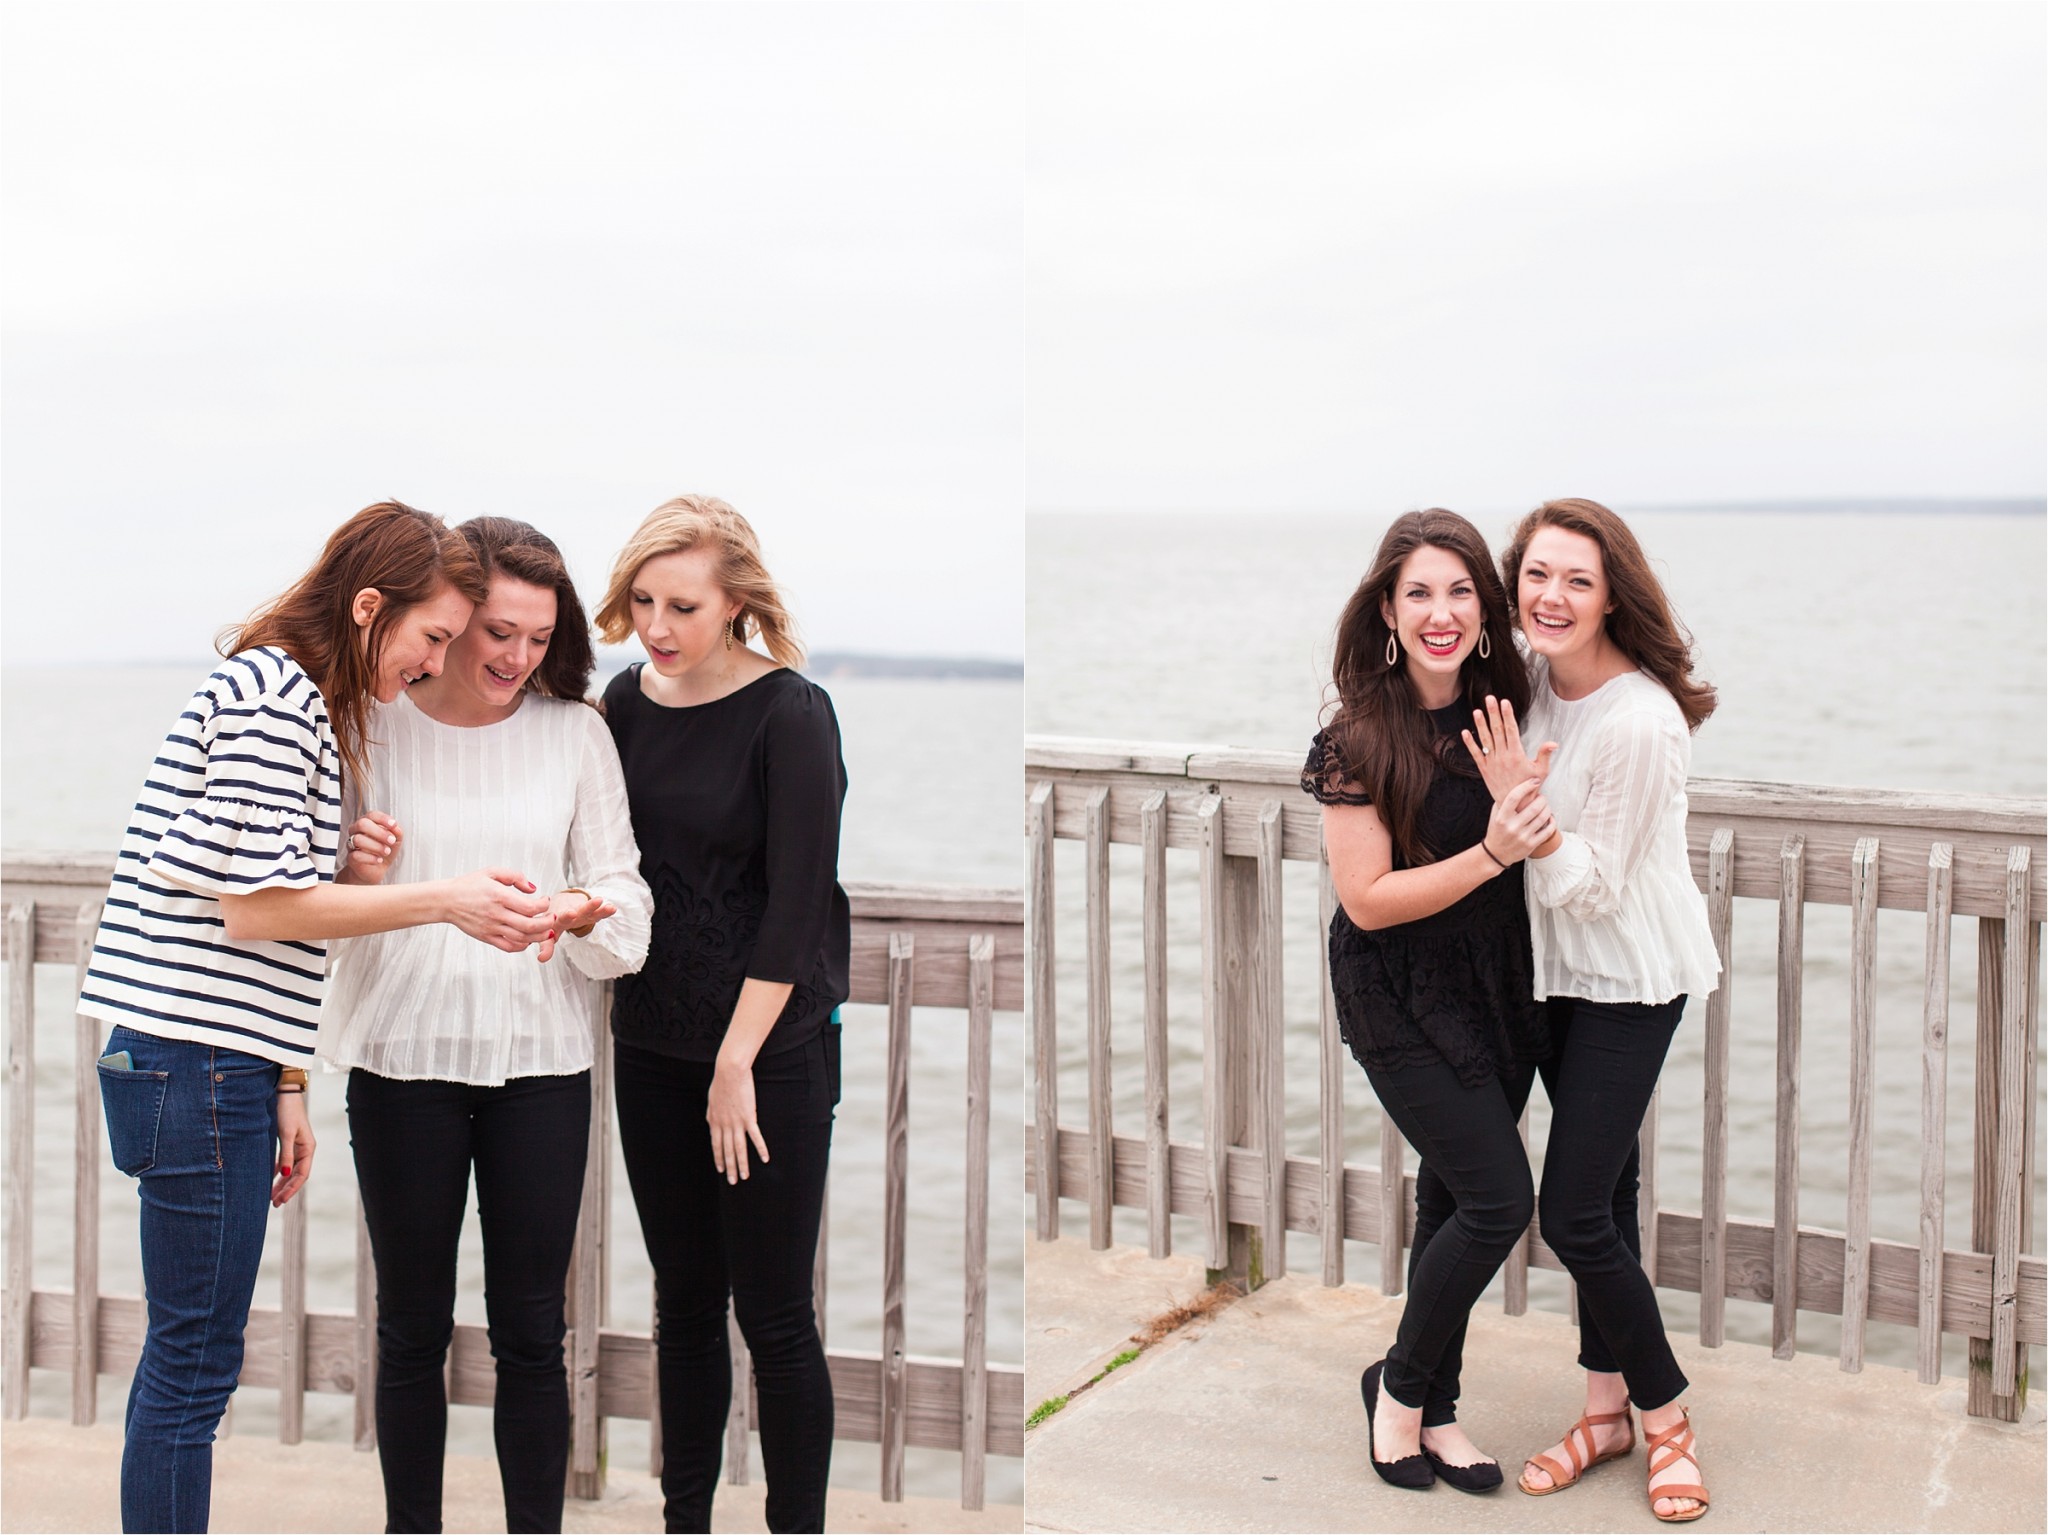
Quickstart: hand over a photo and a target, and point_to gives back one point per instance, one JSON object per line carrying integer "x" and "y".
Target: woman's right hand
{"x": 1495, "y": 742}
{"x": 499, "y": 907}
{"x": 368, "y": 849}
{"x": 1521, "y": 822}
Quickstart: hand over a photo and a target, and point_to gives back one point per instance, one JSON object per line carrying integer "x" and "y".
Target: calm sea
{"x": 1884, "y": 646}
{"x": 935, "y": 779}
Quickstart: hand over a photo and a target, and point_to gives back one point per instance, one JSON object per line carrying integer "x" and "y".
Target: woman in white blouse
{"x": 1620, "y": 940}
{"x": 483, "y": 1059}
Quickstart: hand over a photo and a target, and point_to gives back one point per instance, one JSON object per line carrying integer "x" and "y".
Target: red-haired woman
{"x": 210, "y": 960}
{"x": 1429, "y": 953}
{"x": 1620, "y": 940}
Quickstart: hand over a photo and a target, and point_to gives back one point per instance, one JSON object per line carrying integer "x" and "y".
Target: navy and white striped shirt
{"x": 244, "y": 795}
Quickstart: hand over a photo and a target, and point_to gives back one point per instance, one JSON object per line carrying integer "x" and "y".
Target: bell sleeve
{"x": 604, "y": 860}
{"x": 1638, "y": 772}
{"x": 805, "y": 787}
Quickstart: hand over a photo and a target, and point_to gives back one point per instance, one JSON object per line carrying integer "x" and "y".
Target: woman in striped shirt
{"x": 211, "y": 956}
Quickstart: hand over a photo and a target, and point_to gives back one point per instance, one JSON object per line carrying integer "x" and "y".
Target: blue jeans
{"x": 196, "y": 1126}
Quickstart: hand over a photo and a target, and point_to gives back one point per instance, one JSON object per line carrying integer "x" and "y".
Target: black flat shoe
{"x": 1411, "y": 1471}
{"x": 1483, "y": 1477}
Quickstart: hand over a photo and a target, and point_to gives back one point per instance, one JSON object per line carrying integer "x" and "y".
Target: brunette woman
{"x": 727, "y": 1043}
{"x": 1429, "y": 953}
{"x": 1620, "y": 941}
{"x": 211, "y": 956}
{"x": 460, "y": 1057}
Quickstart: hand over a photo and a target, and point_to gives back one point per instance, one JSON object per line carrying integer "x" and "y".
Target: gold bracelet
{"x": 291, "y": 1079}
{"x": 583, "y": 931}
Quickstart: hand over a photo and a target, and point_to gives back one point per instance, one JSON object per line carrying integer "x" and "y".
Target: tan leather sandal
{"x": 1675, "y": 1444}
{"x": 1581, "y": 1464}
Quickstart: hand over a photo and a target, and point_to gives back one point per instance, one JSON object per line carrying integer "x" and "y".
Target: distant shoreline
{"x": 824, "y": 664}
{"x": 1989, "y": 506}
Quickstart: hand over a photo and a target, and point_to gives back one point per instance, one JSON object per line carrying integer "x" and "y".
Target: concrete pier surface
{"x": 57, "y": 1477}
{"x": 1251, "y": 1420}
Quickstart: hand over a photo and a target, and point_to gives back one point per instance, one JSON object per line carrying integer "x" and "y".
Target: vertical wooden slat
{"x": 291, "y": 1338}
{"x": 1158, "y": 1164}
{"x": 1045, "y": 1131}
{"x": 1714, "y": 1129}
{"x": 820, "y": 1264}
{"x": 1862, "y": 1054}
{"x": 85, "y": 1194}
{"x": 1215, "y": 1061}
{"x": 365, "y": 1336}
{"x": 654, "y": 1382}
{"x": 981, "y": 988}
{"x": 1269, "y": 1084}
{"x": 895, "y": 1195}
{"x": 1785, "y": 1172}
{"x": 1515, "y": 1272}
{"x": 2012, "y": 1118}
{"x": 1647, "y": 1190}
{"x": 1934, "y": 1106}
{"x": 1393, "y": 1208}
{"x": 1991, "y": 942}
{"x": 1101, "y": 1145}
{"x": 739, "y": 1411}
{"x": 21, "y": 1153}
{"x": 1330, "y": 1086}
{"x": 586, "y": 1282}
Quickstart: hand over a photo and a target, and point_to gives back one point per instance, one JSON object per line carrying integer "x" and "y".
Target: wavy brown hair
{"x": 505, "y": 546}
{"x": 1642, "y": 624}
{"x": 406, "y": 555}
{"x": 1385, "y": 745}
{"x": 691, "y": 522}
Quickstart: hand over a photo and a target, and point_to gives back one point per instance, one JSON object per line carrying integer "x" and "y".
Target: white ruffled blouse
{"x": 1614, "y": 914}
{"x": 541, "y": 793}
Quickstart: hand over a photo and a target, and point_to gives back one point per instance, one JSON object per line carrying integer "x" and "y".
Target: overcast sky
{"x": 1476, "y": 255}
{"x": 269, "y": 263}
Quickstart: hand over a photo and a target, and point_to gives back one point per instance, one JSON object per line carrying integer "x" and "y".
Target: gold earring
{"x": 728, "y": 634}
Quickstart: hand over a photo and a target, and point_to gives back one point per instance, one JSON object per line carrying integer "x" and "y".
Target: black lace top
{"x": 735, "y": 807}
{"x": 1453, "y": 986}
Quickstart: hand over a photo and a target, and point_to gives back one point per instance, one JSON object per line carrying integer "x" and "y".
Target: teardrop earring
{"x": 1485, "y": 644}
{"x": 1393, "y": 649}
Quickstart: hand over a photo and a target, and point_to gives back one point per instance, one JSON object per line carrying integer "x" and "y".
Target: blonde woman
{"x": 727, "y": 1041}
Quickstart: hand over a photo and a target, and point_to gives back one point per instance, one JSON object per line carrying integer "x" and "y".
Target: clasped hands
{"x": 1522, "y": 825}
{"x": 500, "y": 907}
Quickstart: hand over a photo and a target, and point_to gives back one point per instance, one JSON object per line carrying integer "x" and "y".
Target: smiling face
{"x": 416, "y": 644}
{"x": 1562, "y": 594}
{"x": 1435, "y": 613}
{"x": 506, "y": 639}
{"x": 679, "y": 611}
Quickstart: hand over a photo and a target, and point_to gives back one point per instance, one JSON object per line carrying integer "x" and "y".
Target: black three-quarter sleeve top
{"x": 735, "y": 807}
{"x": 1455, "y": 985}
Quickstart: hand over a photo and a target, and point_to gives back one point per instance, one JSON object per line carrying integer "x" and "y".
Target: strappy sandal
{"x": 1676, "y": 1443}
{"x": 1581, "y": 1464}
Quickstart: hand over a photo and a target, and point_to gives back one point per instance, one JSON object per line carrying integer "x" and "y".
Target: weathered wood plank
{"x": 1714, "y": 1116}
{"x": 1101, "y": 1214}
{"x": 739, "y": 1411}
{"x": 1158, "y": 1218}
{"x": 1269, "y": 1060}
{"x": 291, "y": 1332}
{"x": 974, "y": 1311}
{"x": 20, "y": 928}
{"x": 1515, "y": 1272}
{"x": 1330, "y": 1090}
{"x": 1044, "y": 1007}
{"x": 1215, "y": 1046}
{"x": 85, "y": 1186}
{"x": 2012, "y": 1119}
{"x": 1991, "y": 941}
{"x": 895, "y": 1223}
{"x": 1646, "y": 1190}
{"x": 363, "y": 1337}
{"x": 1862, "y": 1064}
{"x": 586, "y": 1297}
{"x": 1934, "y": 1110}
{"x": 1785, "y": 1169}
{"x": 1393, "y": 1201}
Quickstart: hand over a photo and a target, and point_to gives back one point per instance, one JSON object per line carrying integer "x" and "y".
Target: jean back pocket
{"x": 134, "y": 1102}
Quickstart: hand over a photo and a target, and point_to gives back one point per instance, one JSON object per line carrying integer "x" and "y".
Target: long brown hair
{"x": 1385, "y": 744}
{"x": 506, "y": 546}
{"x": 1642, "y": 625}
{"x": 406, "y": 555}
{"x": 690, "y": 522}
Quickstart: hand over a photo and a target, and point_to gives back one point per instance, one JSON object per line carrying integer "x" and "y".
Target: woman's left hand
{"x": 1495, "y": 742}
{"x": 294, "y": 1147}
{"x": 569, "y": 911}
{"x": 730, "y": 1114}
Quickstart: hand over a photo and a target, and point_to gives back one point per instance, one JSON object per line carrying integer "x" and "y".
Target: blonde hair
{"x": 694, "y": 522}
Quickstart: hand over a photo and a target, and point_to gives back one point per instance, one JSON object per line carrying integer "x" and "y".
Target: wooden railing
{"x": 946, "y": 946}
{"x": 1243, "y": 814}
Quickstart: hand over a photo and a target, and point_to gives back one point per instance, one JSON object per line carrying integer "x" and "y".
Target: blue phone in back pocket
{"x": 120, "y": 1060}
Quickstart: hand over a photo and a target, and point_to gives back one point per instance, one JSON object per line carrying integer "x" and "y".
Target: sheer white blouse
{"x": 1614, "y": 914}
{"x": 539, "y": 792}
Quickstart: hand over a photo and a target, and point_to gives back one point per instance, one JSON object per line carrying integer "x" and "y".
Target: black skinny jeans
{"x": 414, "y": 1145}
{"x": 754, "y": 1242}
{"x": 1473, "y": 1201}
{"x": 1600, "y": 1077}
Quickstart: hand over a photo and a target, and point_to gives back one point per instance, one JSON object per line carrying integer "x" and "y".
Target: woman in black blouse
{"x": 1429, "y": 952}
{"x": 735, "y": 781}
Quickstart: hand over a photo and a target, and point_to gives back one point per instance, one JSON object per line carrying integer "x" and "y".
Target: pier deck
{"x": 1251, "y": 1420}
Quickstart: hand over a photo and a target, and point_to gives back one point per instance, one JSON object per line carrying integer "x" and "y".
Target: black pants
{"x": 414, "y": 1144}
{"x": 1608, "y": 1056}
{"x": 755, "y": 1242}
{"x": 1473, "y": 1201}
